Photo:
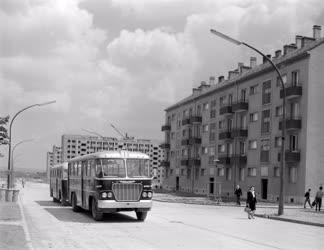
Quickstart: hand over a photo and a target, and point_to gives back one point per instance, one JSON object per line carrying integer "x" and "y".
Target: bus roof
{"x": 112, "y": 154}
{"x": 63, "y": 164}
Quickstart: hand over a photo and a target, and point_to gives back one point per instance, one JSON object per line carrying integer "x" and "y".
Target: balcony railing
{"x": 224, "y": 159}
{"x": 166, "y": 128}
{"x": 292, "y": 156}
{"x": 240, "y": 132}
{"x": 226, "y": 110}
{"x": 292, "y": 92}
{"x": 185, "y": 121}
{"x": 191, "y": 120}
{"x": 165, "y": 145}
{"x": 190, "y": 162}
{"x": 225, "y": 134}
{"x": 292, "y": 123}
{"x": 240, "y": 106}
{"x": 191, "y": 141}
{"x": 165, "y": 164}
{"x": 240, "y": 159}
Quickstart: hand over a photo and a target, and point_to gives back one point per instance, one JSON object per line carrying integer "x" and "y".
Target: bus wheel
{"x": 96, "y": 215}
{"x": 75, "y": 208}
{"x": 141, "y": 216}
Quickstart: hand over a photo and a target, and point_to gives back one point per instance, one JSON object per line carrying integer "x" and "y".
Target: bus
{"x": 110, "y": 181}
{"x": 58, "y": 182}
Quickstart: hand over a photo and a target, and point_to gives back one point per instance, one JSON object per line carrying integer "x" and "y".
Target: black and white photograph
{"x": 161, "y": 124}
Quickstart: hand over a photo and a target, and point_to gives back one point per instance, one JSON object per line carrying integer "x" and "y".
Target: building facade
{"x": 76, "y": 145}
{"x": 53, "y": 158}
{"x": 229, "y": 132}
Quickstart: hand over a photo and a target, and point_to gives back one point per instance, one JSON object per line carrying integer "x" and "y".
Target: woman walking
{"x": 250, "y": 202}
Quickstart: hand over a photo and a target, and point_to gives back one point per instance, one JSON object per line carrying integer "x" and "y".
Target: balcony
{"x": 292, "y": 123}
{"x": 166, "y": 128}
{"x": 240, "y": 132}
{"x": 165, "y": 164}
{"x": 185, "y": 142}
{"x": 184, "y": 162}
{"x": 190, "y": 162}
{"x": 191, "y": 141}
{"x": 226, "y": 134}
{"x": 240, "y": 106}
{"x": 195, "y": 119}
{"x": 239, "y": 159}
{"x": 224, "y": 159}
{"x": 165, "y": 145}
{"x": 292, "y": 156}
{"x": 226, "y": 110}
{"x": 292, "y": 92}
{"x": 185, "y": 121}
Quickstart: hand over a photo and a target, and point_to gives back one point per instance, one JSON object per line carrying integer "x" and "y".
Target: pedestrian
{"x": 318, "y": 199}
{"x": 23, "y": 182}
{"x": 238, "y": 193}
{"x": 251, "y": 202}
{"x": 307, "y": 198}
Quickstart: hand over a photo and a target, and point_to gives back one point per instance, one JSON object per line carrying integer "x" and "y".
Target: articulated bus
{"x": 58, "y": 182}
{"x": 110, "y": 181}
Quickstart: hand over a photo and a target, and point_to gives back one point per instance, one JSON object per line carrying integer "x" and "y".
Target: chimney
{"x": 203, "y": 85}
{"x": 299, "y": 41}
{"x": 239, "y": 66}
{"x": 253, "y": 61}
{"x": 307, "y": 40}
{"x": 278, "y": 53}
{"x": 317, "y": 31}
{"x": 232, "y": 74}
{"x": 289, "y": 48}
{"x": 212, "y": 80}
{"x": 221, "y": 79}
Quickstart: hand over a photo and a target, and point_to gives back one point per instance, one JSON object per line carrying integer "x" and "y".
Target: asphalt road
{"x": 168, "y": 226}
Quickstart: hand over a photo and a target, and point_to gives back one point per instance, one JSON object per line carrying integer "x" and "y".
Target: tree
{"x": 3, "y": 131}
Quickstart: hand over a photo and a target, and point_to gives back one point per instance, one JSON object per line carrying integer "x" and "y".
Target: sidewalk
{"x": 12, "y": 235}
{"x": 292, "y": 212}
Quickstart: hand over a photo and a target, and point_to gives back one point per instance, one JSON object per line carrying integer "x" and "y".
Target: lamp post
{"x": 283, "y": 131}
{"x": 9, "y": 184}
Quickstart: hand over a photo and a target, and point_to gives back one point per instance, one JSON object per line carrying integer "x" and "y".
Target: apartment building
{"x": 76, "y": 145}
{"x": 229, "y": 132}
{"x": 53, "y": 158}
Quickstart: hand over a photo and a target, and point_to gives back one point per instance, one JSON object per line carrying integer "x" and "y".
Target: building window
{"x": 253, "y": 144}
{"x": 253, "y": 117}
{"x": 243, "y": 95}
{"x": 213, "y": 104}
{"x": 293, "y": 143}
{"x": 278, "y": 141}
{"x": 228, "y": 174}
{"x": 251, "y": 171}
{"x": 276, "y": 171}
{"x": 212, "y": 133}
{"x": 221, "y": 124}
{"x": 205, "y": 106}
{"x": 182, "y": 172}
{"x": 212, "y": 150}
{"x": 184, "y": 133}
{"x": 242, "y": 148}
{"x": 265, "y": 125}
{"x": 221, "y": 148}
{"x": 220, "y": 171}
{"x": 266, "y": 92}
{"x": 205, "y": 150}
{"x": 295, "y": 78}
{"x": 253, "y": 89}
{"x": 264, "y": 171}
{"x": 284, "y": 78}
{"x": 222, "y": 101}
{"x": 202, "y": 172}
{"x": 211, "y": 160}
{"x": 213, "y": 113}
{"x": 173, "y": 117}
{"x": 279, "y": 111}
{"x": 292, "y": 174}
{"x": 241, "y": 174}
{"x": 188, "y": 173}
{"x": 265, "y": 151}
{"x": 205, "y": 128}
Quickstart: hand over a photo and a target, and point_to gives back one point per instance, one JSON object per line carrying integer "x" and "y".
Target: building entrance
{"x": 177, "y": 183}
{"x": 264, "y": 189}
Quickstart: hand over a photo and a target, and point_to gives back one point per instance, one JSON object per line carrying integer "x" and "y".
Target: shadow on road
{"x": 66, "y": 214}
{"x": 49, "y": 204}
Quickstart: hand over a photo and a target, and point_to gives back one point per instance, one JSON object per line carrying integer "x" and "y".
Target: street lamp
{"x": 283, "y": 126}
{"x": 13, "y": 152}
{"x": 9, "y": 184}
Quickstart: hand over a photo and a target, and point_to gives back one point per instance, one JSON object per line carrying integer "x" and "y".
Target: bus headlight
{"x": 149, "y": 194}
{"x": 110, "y": 195}
{"x": 144, "y": 194}
{"x": 104, "y": 195}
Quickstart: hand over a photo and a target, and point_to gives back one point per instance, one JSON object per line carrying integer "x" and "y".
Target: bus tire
{"x": 96, "y": 215}
{"x": 75, "y": 208}
{"x": 141, "y": 216}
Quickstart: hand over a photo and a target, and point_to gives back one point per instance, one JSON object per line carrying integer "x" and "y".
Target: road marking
{"x": 24, "y": 224}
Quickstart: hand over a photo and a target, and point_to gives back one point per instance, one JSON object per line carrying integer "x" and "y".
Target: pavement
{"x": 292, "y": 212}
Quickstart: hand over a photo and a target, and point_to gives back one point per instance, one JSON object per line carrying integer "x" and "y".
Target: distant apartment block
{"x": 76, "y": 145}
{"x": 53, "y": 158}
{"x": 228, "y": 132}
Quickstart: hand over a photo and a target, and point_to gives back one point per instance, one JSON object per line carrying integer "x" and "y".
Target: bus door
{"x": 83, "y": 184}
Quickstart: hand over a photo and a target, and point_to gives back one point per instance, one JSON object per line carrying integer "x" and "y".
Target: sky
{"x": 124, "y": 61}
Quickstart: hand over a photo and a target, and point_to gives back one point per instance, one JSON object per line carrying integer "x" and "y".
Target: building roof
{"x": 253, "y": 72}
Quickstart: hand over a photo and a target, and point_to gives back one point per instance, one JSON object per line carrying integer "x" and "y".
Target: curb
{"x": 271, "y": 217}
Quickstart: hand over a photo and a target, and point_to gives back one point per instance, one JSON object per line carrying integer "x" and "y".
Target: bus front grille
{"x": 127, "y": 191}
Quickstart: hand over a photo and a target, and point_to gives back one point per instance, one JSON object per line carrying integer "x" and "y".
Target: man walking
{"x": 318, "y": 198}
{"x": 238, "y": 193}
{"x": 307, "y": 198}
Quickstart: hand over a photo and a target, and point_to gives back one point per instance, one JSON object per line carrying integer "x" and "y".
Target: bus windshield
{"x": 110, "y": 168}
{"x": 138, "y": 168}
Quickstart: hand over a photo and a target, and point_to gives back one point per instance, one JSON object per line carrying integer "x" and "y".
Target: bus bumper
{"x": 112, "y": 204}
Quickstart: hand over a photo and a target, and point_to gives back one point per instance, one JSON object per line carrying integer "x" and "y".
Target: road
{"x": 168, "y": 226}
